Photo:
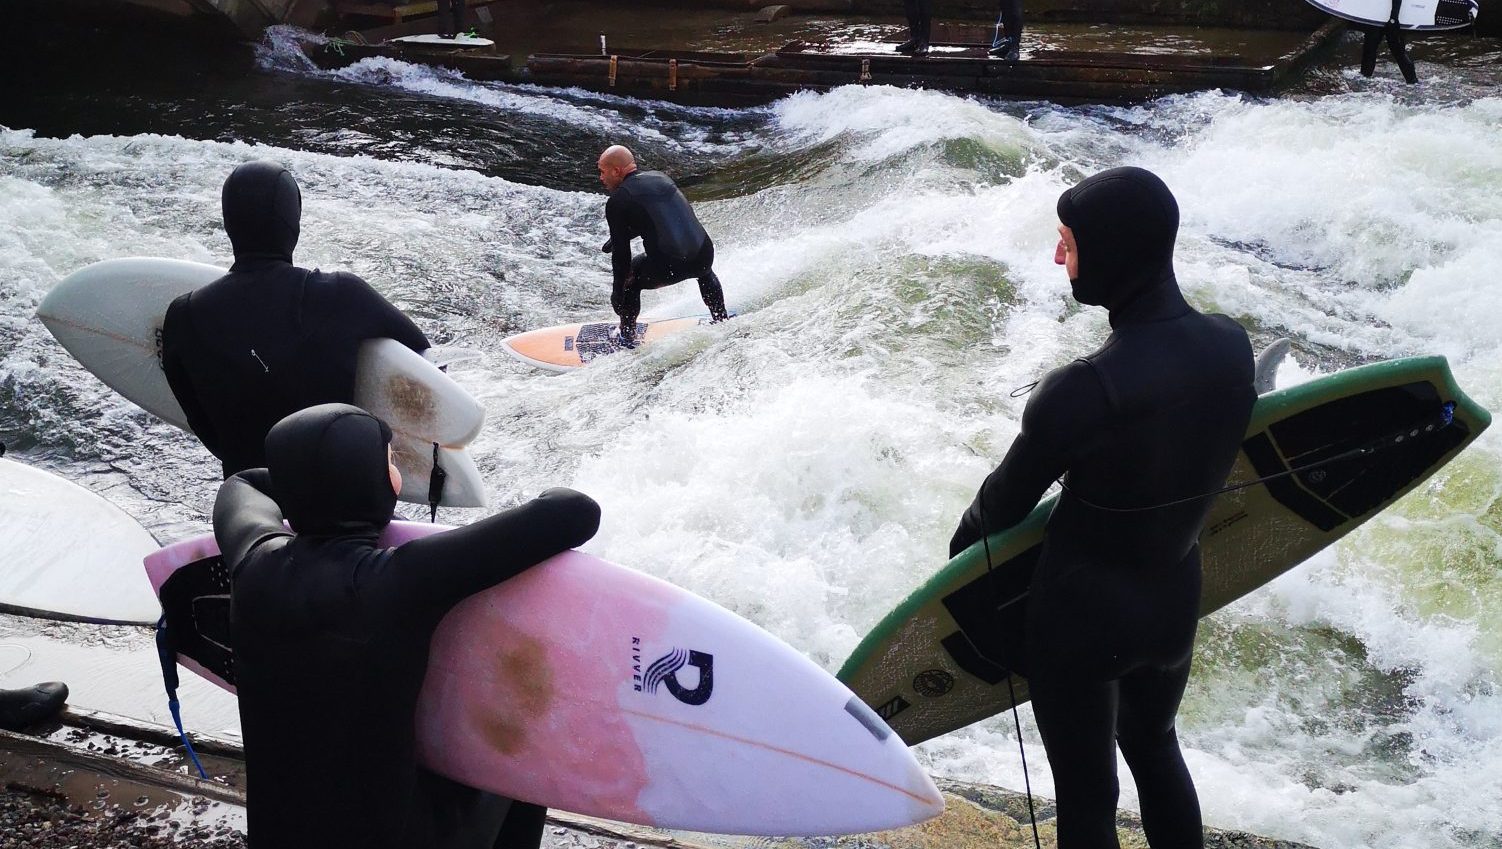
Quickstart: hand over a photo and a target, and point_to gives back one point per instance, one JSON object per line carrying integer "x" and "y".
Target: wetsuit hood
{"x": 328, "y": 468}
{"x": 1125, "y": 222}
{"x": 262, "y": 211}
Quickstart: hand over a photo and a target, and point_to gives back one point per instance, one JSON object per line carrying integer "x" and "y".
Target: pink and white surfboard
{"x": 593, "y": 688}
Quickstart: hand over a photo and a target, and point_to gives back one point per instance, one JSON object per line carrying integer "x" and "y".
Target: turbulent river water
{"x": 890, "y": 254}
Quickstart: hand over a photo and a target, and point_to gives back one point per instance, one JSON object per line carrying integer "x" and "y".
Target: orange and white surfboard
{"x": 569, "y": 346}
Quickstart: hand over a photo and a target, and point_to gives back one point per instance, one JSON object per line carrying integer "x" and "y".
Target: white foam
{"x": 806, "y": 463}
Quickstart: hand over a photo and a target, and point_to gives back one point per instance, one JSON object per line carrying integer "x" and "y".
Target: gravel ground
{"x": 31, "y": 819}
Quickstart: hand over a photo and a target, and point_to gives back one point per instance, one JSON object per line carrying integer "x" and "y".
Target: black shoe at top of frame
{"x": 906, "y": 46}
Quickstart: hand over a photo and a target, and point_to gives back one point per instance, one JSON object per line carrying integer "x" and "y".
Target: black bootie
{"x": 21, "y": 709}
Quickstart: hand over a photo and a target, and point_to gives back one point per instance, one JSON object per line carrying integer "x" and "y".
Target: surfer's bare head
{"x": 615, "y": 163}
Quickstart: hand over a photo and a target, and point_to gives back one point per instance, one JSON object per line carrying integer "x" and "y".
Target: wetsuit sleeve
{"x": 618, "y": 217}
{"x": 174, "y": 329}
{"x": 374, "y": 317}
{"x": 1066, "y": 408}
{"x": 442, "y": 569}
{"x": 245, "y": 515}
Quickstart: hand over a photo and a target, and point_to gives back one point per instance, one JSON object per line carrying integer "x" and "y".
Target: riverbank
{"x": 106, "y": 781}
{"x": 804, "y": 465}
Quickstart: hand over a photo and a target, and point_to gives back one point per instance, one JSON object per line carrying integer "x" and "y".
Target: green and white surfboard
{"x": 931, "y": 666}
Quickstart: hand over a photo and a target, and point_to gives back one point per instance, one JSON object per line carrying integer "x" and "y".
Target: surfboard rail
{"x": 926, "y": 672}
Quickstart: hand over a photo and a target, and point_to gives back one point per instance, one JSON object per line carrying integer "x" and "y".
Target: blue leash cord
{"x": 168, "y": 657}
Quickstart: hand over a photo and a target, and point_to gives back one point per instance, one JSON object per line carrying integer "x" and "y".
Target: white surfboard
{"x": 593, "y": 688}
{"x": 66, "y": 553}
{"x": 109, "y": 316}
{"x": 435, "y": 40}
{"x": 1412, "y": 14}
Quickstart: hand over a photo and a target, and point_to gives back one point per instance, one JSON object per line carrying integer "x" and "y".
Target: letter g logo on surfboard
{"x": 664, "y": 672}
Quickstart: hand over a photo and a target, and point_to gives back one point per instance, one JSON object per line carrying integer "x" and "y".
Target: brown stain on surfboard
{"x": 526, "y": 686}
{"x": 410, "y": 399}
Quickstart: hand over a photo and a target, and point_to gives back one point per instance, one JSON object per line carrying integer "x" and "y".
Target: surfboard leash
{"x": 1027, "y": 782}
{"x": 167, "y": 654}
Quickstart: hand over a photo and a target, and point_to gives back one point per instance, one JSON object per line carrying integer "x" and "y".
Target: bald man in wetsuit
{"x": 1138, "y": 433}
{"x": 269, "y": 338}
{"x": 331, "y": 633}
{"x": 647, "y": 204}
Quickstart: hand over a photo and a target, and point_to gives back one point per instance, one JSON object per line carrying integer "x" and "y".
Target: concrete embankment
{"x": 247, "y": 18}
{"x": 105, "y": 781}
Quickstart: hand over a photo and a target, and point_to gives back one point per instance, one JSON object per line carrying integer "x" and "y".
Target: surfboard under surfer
{"x": 331, "y": 636}
{"x": 1135, "y": 432}
{"x": 648, "y": 205}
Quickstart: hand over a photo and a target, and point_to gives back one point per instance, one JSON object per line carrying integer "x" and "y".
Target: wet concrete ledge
{"x": 122, "y": 782}
{"x": 250, "y": 17}
{"x": 714, "y": 57}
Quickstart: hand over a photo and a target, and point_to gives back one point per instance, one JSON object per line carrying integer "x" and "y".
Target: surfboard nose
{"x": 931, "y": 801}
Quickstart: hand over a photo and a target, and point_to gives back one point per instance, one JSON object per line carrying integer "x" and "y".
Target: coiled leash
{"x": 167, "y": 654}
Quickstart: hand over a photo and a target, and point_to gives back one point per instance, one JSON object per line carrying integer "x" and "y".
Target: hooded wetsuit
{"x": 647, "y": 204}
{"x": 331, "y": 636}
{"x": 268, "y": 338}
{"x": 1157, "y": 414}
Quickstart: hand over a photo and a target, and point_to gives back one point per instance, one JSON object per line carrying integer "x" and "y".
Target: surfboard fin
{"x": 435, "y": 486}
{"x": 1265, "y": 376}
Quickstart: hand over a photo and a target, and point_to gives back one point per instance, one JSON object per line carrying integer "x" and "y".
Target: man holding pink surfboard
{"x": 331, "y": 636}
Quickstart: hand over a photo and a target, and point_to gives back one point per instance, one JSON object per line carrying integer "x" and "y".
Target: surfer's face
{"x": 611, "y": 175}
{"x": 1067, "y": 253}
{"x": 393, "y": 471}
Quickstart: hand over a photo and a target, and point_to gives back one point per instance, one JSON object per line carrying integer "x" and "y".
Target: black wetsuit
{"x": 1157, "y": 414}
{"x": 451, "y": 17}
{"x": 331, "y": 637}
{"x": 919, "y": 22}
{"x": 648, "y": 204}
{"x": 1372, "y": 37}
{"x": 268, "y": 338}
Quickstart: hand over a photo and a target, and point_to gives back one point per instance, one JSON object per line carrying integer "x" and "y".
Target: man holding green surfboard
{"x": 1138, "y": 433}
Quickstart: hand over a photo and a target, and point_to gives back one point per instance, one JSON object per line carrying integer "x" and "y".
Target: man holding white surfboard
{"x": 268, "y": 338}
{"x": 648, "y": 205}
{"x": 1140, "y": 434}
{"x": 331, "y": 636}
